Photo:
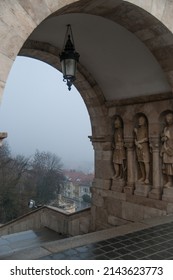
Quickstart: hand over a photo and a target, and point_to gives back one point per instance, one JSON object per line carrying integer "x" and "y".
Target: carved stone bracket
{"x": 100, "y": 139}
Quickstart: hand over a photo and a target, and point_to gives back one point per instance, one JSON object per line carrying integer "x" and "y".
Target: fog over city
{"x": 38, "y": 112}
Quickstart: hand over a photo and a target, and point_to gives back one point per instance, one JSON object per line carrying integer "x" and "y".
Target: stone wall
{"x": 128, "y": 197}
{"x": 68, "y": 224}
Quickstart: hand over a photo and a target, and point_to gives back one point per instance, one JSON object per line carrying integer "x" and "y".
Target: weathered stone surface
{"x": 167, "y": 14}
{"x": 170, "y": 208}
{"x": 97, "y": 200}
{"x": 118, "y": 185}
{"x": 129, "y": 189}
{"x": 155, "y": 193}
{"x": 38, "y": 10}
{"x": 147, "y": 5}
{"x": 167, "y": 194}
{"x": 158, "y": 7}
{"x": 55, "y": 5}
{"x": 11, "y": 42}
{"x": 148, "y": 202}
{"x": 113, "y": 207}
{"x": 6, "y": 64}
{"x": 153, "y": 212}
{"x": 84, "y": 225}
{"x": 74, "y": 228}
{"x": 114, "y": 221}
{"x": 132, "y": 212}
{"x": 101, "y": 217}
{"x": 117, "y": 195}
{"x": 16, "y": 18}
{"x": 136, "y": 212}
{"x": 142, "y": 190}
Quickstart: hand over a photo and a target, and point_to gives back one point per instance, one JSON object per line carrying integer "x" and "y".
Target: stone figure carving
{"x": 142, "y": 149}
{"x": 119, "y": 150}
{"x": 167, "y": 150}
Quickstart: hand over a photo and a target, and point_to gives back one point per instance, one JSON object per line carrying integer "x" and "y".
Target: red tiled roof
{"x": 78, "y": 177}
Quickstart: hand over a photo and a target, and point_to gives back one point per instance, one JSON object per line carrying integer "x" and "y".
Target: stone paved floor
{"x": 155, "y": 243}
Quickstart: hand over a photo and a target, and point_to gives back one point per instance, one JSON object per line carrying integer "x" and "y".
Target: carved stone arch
{"x": 154, "y": 31}
{"x": 26, "y": 16}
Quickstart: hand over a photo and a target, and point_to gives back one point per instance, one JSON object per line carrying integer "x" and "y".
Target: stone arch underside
{"x": 24, "y": 17}
{"x": 156, "y": 36}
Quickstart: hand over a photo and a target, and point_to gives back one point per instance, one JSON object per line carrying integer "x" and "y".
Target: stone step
{"x": 13, "y": 243}
{"x": 42, "y": 247}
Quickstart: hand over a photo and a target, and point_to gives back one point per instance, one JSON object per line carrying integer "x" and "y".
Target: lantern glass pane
{"x": 69, "y": 67}
{"x": 63, "y": 68}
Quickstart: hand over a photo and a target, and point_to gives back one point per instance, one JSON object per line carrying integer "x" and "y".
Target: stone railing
{"x": 52, "y": 218}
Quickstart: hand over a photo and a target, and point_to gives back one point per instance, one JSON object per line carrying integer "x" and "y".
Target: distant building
{"x": 77, "y": 184}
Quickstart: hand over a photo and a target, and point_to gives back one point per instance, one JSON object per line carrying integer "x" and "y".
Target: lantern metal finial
{"x": 69, "y": 58}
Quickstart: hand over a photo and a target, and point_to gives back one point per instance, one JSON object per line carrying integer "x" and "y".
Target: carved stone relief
{"x": 167, "y": 150}
{"x": 143, "y": 161}
{"x": 119, "y": 154}
{"x": 142, "y": 149}
{"x": 145, "y": 168}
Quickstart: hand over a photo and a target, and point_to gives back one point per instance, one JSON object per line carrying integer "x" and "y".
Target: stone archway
{"x": 151, "y": 26}
{"x": 25, "y": 17}
{"x": 20, "y": 19}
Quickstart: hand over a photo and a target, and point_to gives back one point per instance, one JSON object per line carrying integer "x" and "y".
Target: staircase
{"x": 12, "y": 244}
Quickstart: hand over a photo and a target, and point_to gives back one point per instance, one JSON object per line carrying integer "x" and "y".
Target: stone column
{"x": 103, "y": 162}
{"x": 129, "y": 144}
{"x": 156, "y": 191}
{"x": 102, "y": 180}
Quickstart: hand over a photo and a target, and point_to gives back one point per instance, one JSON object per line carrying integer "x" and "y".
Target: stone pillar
{"x": 103, "y": 162}
{"x": 102, "y": 181}
{"x": 129, "y": 144}
{"x": 156, "y": 191}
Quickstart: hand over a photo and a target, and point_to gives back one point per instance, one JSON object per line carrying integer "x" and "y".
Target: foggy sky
{"x": 38, "y": 112}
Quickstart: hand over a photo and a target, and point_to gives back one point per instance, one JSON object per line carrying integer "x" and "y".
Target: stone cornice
{"x": 140, "y": 99}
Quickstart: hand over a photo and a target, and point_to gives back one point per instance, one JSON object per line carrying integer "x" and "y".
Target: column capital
{"x": 100, "y": 139}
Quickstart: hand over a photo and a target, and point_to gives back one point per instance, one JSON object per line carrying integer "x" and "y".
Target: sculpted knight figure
{"x": 142, "y": 149}
{"x": 167, "y": 150}
{"x": 119, "y": 150}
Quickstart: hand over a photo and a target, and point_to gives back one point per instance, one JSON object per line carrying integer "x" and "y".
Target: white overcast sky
{"x": 38, "y": 112}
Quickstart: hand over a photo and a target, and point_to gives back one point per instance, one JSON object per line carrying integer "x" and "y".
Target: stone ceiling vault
{"x": 121, "y": 46}
{"x": 126, "y": 47}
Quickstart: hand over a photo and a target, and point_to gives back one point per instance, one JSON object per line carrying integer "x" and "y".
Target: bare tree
{"x": 46, "y": 176}
{"x": 11, "y": 172}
